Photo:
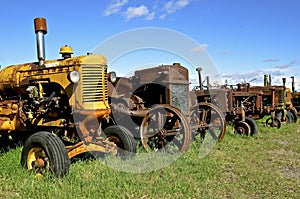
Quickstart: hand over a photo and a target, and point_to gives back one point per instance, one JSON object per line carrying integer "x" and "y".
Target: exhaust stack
{"x": 207, "y": 81}
{"x": 199, "y": 69}
{"x": 40, "y": 28}
{"x": 283, "y": 81}
{"x": 293, "y": 84}
{"x": 266, "y": 83}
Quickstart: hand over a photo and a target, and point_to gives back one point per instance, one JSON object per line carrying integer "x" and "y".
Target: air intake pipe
{"x": 40, "y": 28}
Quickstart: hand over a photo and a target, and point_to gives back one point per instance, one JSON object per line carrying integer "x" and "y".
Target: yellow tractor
{"x": 60, "y": 107}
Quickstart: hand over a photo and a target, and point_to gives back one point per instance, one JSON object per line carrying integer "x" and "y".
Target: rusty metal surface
{"x": 40, "y": 25}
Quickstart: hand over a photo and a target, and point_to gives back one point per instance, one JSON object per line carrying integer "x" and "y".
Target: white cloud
{"x": 257, "y": 76}
{"x": 160, "y": 9}
{"x": 201, "y": 48}
{"x": 150, "y": 16}
{"x": 133, "y": 12}
{"x": 270, "y": 60}
{"x": 163, "y": 16}
{"x": 115, "y": 7}
{"x": 225, "y": 52}
{"x": 174, "y": 5}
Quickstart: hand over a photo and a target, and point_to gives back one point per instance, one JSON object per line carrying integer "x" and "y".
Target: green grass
{"x": 263, "y": 166}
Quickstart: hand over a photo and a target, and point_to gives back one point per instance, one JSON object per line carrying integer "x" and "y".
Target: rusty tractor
{"x": 277, "y": 101}
{"x": 231, "y": 102}
{"x": 267, "y": 100}
{"x": 61, "y": 108}
{"x": 165, "y": 90}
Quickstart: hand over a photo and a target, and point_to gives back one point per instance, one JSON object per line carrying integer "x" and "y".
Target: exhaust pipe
{"x": 199, "y": 69}
{"x": 283, "y": 81}
{"x": 293, "y": 84}
{"x": 207, "y": 81}
{"x": 266, "y": 81}
{"x": 40, "y": 28}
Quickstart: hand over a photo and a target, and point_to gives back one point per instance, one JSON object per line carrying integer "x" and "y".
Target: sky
{"x": 241, "y": 39}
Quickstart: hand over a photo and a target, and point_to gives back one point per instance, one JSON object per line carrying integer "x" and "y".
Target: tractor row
{"x": 60, "y": 109}
{"x": 67, "y": 107}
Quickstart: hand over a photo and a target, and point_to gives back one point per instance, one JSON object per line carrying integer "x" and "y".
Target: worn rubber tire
{"x": 242, "y": 128}
{"x": 288, "y": 120}
{"x": 294, "y": 113}
{"x": 123, "y": 138}
{"x": 269, "y": 123}
{"x": 54, "y": 149}
{"x": 253, "y": 126}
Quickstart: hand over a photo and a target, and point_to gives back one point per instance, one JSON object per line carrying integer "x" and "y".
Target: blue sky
{"x": 245, "y": 39}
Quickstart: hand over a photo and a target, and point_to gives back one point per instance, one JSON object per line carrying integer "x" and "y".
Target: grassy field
{"x": 263, "y": 166}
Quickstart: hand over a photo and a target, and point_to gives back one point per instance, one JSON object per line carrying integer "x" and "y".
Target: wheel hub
{"x": 38, "y": 163}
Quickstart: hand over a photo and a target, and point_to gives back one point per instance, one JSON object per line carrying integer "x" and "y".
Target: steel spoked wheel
{"x": 208, "y": 121}
{"x": 44, "y": 153}
{"x": 273, "y": 123}
{"x": 242, "y": 128}
{"x": 165, "y": 128}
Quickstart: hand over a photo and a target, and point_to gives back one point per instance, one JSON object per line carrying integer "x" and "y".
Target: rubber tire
{"x": 54, "y": 148}
{"x": 244, "y": 125}
{"x": 127, "y": 147}
{"x": 253, "y": 126}
{"x": 289, "y": 118}
{"x": 294, "y": 113}
{"x": 269, "y": 120}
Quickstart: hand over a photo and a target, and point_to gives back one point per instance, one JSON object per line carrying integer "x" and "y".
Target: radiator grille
{"x": 280, "y": 94}
{"x": 180, "y": 97}
{"x": 94, "y": 83}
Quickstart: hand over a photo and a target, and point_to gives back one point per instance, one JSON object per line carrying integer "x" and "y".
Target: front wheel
{"x": 44, "y": 152}
{"x": 253, "y": 126}
{"x": 242, "y": 128}
{"x": 294, "y": 113}
{"x": 287, "y": 119}
{"x": 270, "y": 122}
{"x": 122, "y": 138}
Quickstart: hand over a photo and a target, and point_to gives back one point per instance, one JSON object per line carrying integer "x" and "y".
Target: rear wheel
{"x": 122, "y": 138}
{"x": 44, "y": 152}
{"x": 208, "y": 121}
{"x": 165, "y": 128}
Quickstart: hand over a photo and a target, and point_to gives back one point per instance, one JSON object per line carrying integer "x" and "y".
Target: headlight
{"x": 112, "y": 76}
{"x": 74, "y": 76}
